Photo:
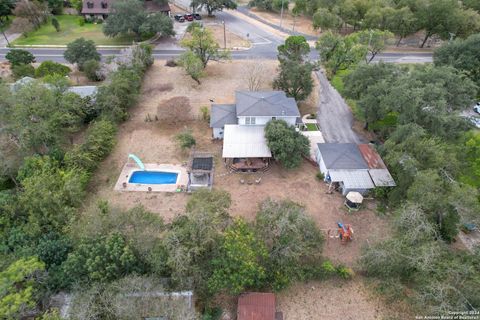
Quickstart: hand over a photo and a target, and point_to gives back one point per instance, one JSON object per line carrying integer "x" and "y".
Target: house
{"x": 352, "y": 167}
{"x": 100, "y": 9}
{"x": 242, "y": 125}
{"x": 82, "y": 91}
{"x": 257, "y": 306}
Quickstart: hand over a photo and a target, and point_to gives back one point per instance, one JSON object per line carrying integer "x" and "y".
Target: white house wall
{"x": 264, "y": 120}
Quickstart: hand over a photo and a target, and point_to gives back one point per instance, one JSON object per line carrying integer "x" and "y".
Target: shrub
{"x": 48, "y": 68}
{"x": 56, "y": 24}
{"x": 344, "y": 272}
{"x": 174, "y": 110}
{"x": 90, "y": 68}
{"x": 328, "y": 268}
{"x": 98, "y": 143}
{"x": 185, "y": 140}
{"x": 80, "y": 51}
{"x": 23, "y": 70}
{"x": 18, "y": 56}
{"x": 171, "y": 63}
{"x": 320, "y": 176}
{"x": 205, "y": 113}
{"x": 81, "y": 22}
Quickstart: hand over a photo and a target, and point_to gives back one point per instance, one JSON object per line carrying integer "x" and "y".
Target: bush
{"x": 56, "y": 24}
{"x": 90, "y": 68}
{"x": 344, "y": 272}
{"x": 174, "y": 110}
{"x": 98, "y": 144}
{"x": 328, "y": 268}
{"x": 205, "y": 113}
{"x": 18, "y": 57}
{"x": 320, "y": 176}
{"x": 185, "y": 140}
{"x": 81, "y": 22}
{"x": 80, "y": 51}
{"x": 23, "y": 70}
{"x": 171, "y": 63}
{"x": 48, "y": 68}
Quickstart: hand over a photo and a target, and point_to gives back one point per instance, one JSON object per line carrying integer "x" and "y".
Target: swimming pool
{"x": 153, "y": 177}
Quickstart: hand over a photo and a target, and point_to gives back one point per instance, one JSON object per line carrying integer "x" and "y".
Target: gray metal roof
{"x": 342, "y": 156}
{"x": 222, "y": 114}
{"x": 265, "y": 103}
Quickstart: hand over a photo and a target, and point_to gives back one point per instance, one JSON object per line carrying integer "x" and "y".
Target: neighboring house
{"x": 257, "y": 306}
{"x": 242, "y": 125}
{"x": 82, "y": 91}
{"x": 100, "y": 9}
{"x": 352, "y": 167}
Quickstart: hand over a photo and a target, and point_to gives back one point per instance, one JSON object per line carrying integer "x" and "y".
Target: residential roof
{"x": 342, "y": 156}
{"x": 265, "y": 103}
{"x": 222, "y": 114}
{"x": 352, "y": 179}
{"x": 373, "y": 159}
{"x": 256, "y": 306}
{"x": 245, "y": 142}
{"x": 382, "y": 178}
{"x": 83, "y": 91}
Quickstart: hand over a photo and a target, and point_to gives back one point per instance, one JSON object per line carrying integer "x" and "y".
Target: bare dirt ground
{"x": 154, "y": 142}
{"x": 302, "y": 24}
{"x": 233, "y": 41}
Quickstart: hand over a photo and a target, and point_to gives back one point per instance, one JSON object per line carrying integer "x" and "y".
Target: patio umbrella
{"x": 354, "y": 197}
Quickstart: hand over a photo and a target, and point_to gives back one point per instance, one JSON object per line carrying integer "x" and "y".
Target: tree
{"x": 56, "y": 24}
{"x": 239, "y": 264}
{"x": 213, "y": 5}
{"x": 6, "y": 7}
{"x": 19, "y": 56}
{"x": 20, "y": 287}
{"x": 442, "y": 18}
{"x": 91, "y": 67}
{"x": 35, "y": 12}
{"x": 339, "y": 53}
{"x": 185, "y": 140}
{"x": 402, "y": 22}
{"x": 23, "y": 70}
{"x": 255, "y": 76}
{"x": 326, "y": 20}
{"x": 375, "y": 42}
{"x": 287, "y": 145}
{"x": 101, "y": 259}
{"x": 80, "y": 50}
{"x": 462, "y": 55}
{"x": 292, "y": 239}
{"x": 295, "y": 72}
{"x": 193, "y": 65}
{"x": 47, "y": 68}
{"x": 202, "y": 43}
{"x": 295, "y": 79}
{"x": 129, "y": 16}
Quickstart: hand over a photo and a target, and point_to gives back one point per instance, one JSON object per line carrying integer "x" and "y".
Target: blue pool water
{"x": 153, "y": 177}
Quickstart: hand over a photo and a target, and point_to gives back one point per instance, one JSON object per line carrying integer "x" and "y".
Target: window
{"x": 274, "y": 118}
{"x": 90, "y": 5}
{"x": 249, "y": 120}
{"x": 104, "y": 5}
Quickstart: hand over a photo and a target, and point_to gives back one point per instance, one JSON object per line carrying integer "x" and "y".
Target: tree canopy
{"x": 80, "y": 51}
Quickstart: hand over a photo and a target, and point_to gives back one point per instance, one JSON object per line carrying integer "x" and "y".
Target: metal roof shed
{"x": 245, "y": 142}
{"x": 256, "y": 306}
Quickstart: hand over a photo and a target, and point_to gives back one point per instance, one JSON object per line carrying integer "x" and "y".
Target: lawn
{"x": 70, "y": 30}
{"x": 311, "y": 127}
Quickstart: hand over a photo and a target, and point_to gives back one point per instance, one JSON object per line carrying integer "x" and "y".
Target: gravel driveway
{"x": 334, "y": 115}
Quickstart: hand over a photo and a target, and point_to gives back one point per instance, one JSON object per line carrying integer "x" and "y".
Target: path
{"x": 334, "y": 115}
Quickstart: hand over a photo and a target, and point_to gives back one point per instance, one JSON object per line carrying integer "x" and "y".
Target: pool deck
{"x": 123, "y": 184}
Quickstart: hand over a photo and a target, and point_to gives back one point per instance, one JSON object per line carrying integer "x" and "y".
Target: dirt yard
{"x": 154, "y": 142}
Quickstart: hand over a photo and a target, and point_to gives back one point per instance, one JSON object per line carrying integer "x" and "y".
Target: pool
{"x": 153, "y": 177}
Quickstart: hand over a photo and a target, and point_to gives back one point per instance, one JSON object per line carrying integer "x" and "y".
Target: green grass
{"x": 69, "y": 31}
{"x": 337, "y": 80}
{"x": 311, "y": 127}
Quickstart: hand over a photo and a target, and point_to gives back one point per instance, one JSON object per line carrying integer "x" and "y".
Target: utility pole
{"x": 281, "y": 15}
{"x": 224, "y": 35}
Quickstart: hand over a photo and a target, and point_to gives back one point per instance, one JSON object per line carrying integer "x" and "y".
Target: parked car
{"x": 476, "y": 107}
{"x": 197, "y": 16}
{"x": 179, "y": 18}
{"x": 188, "y": 17}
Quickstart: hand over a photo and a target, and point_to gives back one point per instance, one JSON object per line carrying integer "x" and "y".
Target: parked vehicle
{"x": 197, "y": 16}
{"x": 188, "y": 17}
{"x": 476, "y": 107}
{"x": 475, "y": 121}
{"x": 179, "y": 18}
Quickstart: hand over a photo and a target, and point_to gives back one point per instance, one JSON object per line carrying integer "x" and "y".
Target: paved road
{"x": 334, "y": 115}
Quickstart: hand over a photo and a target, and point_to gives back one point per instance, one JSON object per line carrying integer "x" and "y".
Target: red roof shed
{"x": 256, "y": 306}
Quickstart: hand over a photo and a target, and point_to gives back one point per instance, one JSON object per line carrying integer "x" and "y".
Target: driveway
{"x": 334, "y": 115}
